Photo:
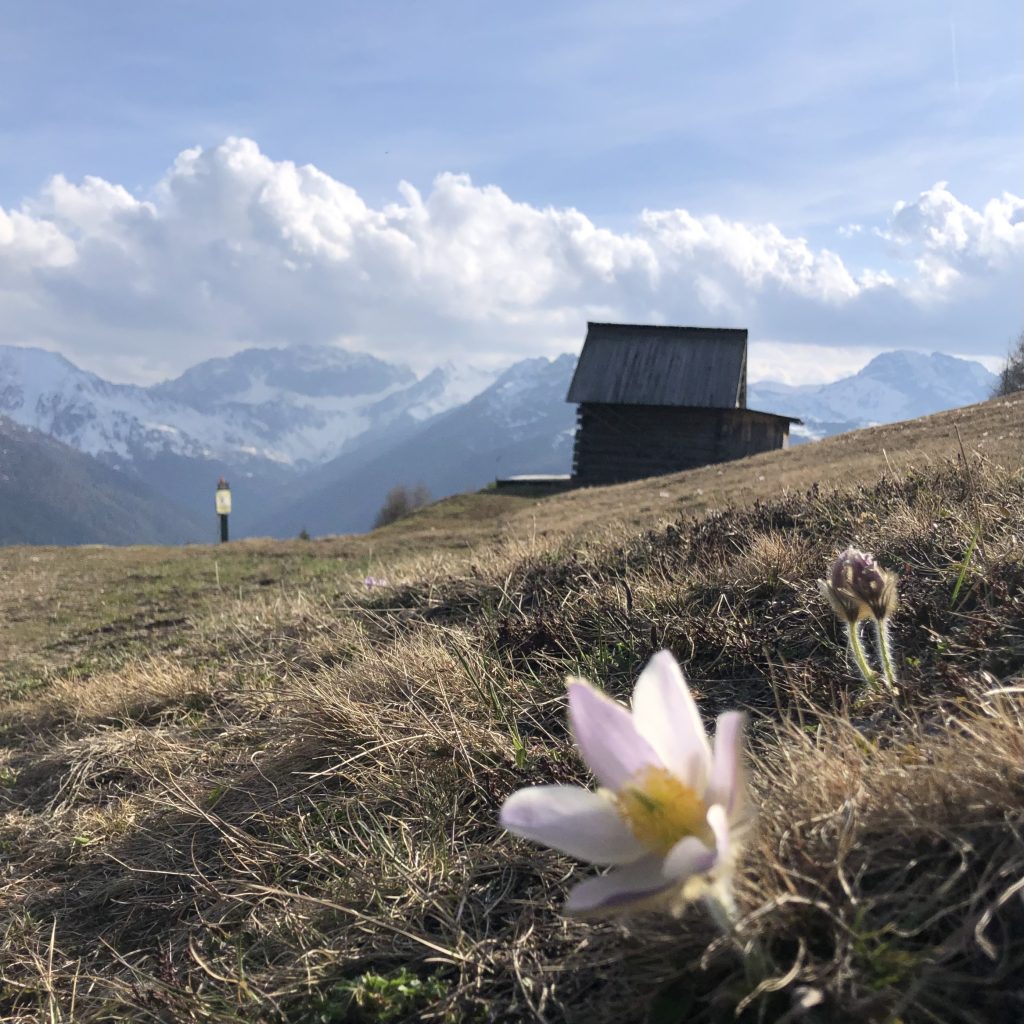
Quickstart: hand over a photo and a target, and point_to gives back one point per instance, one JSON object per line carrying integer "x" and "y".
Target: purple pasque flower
{"x": 669, "y": 807}
{"x": 858, "y": 587}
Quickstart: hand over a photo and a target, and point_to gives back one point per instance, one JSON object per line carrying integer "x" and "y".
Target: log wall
{"x": 628, "y": 442}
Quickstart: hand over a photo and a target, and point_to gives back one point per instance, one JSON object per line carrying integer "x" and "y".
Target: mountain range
{"x": 313, "y": 438}
{"x": 520, "y": 423}
{"x": 894, "y": 386}
{"x": 261, "y": 418}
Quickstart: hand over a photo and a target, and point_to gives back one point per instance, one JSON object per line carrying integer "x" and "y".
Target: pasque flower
{"x": 669, "y": 808}
{"x": 859, "y": 588}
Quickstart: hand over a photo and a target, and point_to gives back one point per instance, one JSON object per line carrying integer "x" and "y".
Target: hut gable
{"x": 639, "y": 364}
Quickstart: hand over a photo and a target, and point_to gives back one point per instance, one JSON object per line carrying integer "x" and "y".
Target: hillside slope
{"x": 993, "y": 429}
{"x": 261, "y": 417}
{"x": 52, "y": 494}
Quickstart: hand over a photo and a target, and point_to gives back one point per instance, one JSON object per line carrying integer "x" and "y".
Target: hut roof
{"x": 640, "y": 364}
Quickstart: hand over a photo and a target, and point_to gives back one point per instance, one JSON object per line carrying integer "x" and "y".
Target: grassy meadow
{"x": 238, "y": 785}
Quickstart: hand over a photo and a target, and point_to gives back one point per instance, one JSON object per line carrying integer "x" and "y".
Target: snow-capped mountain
{"x": 45, "y": 392}
{"x": 894, "y": 386}
{"x": 520, "y": 424}
{"x": 315, "y": 437}
{"x": 292, "y": 407}
{"x": 261, "y": 417}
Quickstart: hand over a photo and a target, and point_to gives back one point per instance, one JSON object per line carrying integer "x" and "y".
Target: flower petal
{"x": 719, "y": 821}
{"x": 727, "y": 785}
{"x": 630, "y": 888}
{"x": 665, "y": 714}
{"x": 607, "y": 738}
{"x": 574, "y": 820}
{"x": 687, "y": 858}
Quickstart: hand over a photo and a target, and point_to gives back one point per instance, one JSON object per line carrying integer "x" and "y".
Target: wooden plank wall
{"x": 629, "y": 442}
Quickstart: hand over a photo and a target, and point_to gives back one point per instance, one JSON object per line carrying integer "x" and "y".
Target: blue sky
{"x": 806, "y": 117}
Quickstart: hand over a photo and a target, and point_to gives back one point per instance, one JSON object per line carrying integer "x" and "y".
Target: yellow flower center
{"x": 661, "y": 810}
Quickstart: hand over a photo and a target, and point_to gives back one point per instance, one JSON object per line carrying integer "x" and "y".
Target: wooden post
{"x": 223, "y": 503}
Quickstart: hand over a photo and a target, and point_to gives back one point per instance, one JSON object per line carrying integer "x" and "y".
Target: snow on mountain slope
{"x": 446, "y": 387}
{"x": 44, "y": 391}
{"x": 520, "y": 424}
{"x": 526, "y": 393}
{"x": 893, "y": 386}
{"x": 300, "y": 405}
{"x": 290, "y": 407}
{"x": 256, "y": 376}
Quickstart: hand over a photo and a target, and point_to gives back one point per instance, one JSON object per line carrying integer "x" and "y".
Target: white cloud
{"x": 232, "y": 248}
{"x": 755, "y": 256}
{"x": 954, "y": 232}
{"x": 950, "y": 243}
{"x": 27, "y": 242}
{"x": 796, "y": 363}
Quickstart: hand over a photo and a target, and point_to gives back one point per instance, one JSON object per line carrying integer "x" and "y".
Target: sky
{"x": 474, "y": 181}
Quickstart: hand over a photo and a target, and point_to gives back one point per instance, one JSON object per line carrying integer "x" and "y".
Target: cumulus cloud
{"x": 798, "y": 363}
{"x": 232, "y": 248}
{"x": 948, "y": 240}
{"x": 942, "y": 225}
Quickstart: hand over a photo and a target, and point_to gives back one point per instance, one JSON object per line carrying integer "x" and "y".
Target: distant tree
{"x": 400, "y": 502}
{"x": 1011, "y": 377}
{"x": 303, "y": 534}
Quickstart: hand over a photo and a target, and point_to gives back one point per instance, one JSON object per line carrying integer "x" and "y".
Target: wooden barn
{"x": 656, "y": 400}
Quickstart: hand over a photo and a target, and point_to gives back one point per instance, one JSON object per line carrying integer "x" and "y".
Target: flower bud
{"x": 858, "y": 588}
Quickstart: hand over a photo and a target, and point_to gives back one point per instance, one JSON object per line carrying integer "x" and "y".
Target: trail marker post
{"x": 223, "y": 507}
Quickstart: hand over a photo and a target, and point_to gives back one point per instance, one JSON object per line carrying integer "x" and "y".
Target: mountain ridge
{"x": 313, "y": 438}
{"x": 287, "y": 407}
{"x": 893, "y": 386}
{"x": 498, "y": 432}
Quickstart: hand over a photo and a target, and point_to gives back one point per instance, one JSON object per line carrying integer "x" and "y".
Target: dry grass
{"x": 283, "y": 806}
{"x": 993, "y": 430}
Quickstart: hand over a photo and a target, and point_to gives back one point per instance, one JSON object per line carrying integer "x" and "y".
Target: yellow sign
{"x": 223, "y": 501}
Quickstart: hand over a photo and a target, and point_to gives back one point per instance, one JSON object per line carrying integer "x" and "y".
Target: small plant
{"x": 303, "y": 534}
{"x": 1011, "y": 376}
{"x": 401, "y": 501}
{"x": 381, "y": 998}
{"x": 858, "y": 589}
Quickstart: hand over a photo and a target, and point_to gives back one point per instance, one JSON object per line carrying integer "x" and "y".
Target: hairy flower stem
{"x": 884, "y": 646}
{"x": 721, "y": 905}
{"x": 857, "y": 650}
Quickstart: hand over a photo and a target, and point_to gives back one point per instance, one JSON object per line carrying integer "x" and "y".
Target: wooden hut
{"x": 656, "y": 400}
